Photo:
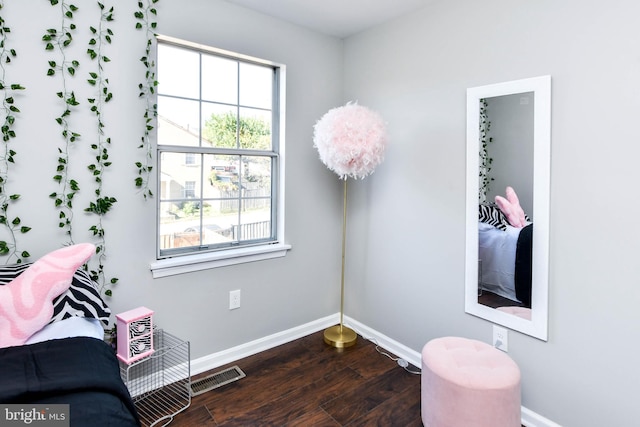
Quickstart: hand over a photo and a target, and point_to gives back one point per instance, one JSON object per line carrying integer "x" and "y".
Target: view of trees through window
{"x": 253, "y": 133}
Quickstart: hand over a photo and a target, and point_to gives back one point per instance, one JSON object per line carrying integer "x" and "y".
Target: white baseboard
{"x": 233, "y": 354}
{"x": 399, "y": 350}
{"x": 532, "y": 419}
{"x": 212, "y": 361}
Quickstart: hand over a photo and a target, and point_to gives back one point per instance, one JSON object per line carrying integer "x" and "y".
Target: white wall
{"x": 277, "y": 294}
{"x": 406, "y": 221}
{"x": 406, "y": 267}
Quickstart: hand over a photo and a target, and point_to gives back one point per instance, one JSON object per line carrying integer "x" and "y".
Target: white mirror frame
{"x": 541, "y": 87}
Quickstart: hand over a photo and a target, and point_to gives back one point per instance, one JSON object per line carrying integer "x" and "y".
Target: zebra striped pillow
{"x": 82, "y": 299}
{"x": 490, "y": 214}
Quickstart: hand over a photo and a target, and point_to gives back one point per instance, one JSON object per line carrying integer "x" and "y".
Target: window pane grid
{"x": 228, "y": 139}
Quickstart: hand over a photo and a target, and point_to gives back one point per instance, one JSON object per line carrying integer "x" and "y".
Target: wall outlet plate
{"x": 234, "y": 299}
{"x": 500, "y": 338}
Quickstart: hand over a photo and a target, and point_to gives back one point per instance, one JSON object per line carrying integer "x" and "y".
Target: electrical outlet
{"x": 234, "y": 299}
{"x": 500, "y": 338}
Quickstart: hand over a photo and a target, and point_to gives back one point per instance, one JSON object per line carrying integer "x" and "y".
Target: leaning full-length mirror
{"x": 507, "y": 217}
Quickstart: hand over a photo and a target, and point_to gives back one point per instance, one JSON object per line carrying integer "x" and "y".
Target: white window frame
{"x": 232, "y": 256}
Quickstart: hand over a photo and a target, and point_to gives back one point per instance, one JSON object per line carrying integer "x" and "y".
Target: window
{"x": 189, "y": 190}
{"x": 219, "y": 151}
{"x": 189, "y": 158}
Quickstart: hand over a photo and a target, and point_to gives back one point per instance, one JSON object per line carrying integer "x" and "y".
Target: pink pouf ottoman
{"x": 468, "y": 383}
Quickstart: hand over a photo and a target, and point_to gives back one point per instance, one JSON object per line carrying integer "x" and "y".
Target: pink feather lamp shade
{"x": 350, "y": 141}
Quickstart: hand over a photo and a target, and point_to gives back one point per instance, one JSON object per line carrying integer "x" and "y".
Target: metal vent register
{"x": 216, "y": 380}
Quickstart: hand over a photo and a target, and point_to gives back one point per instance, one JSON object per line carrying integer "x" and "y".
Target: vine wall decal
{"x": 485, "y": 160}
{"x": 79, "y": 107}
{"x": 101, "y": 37}
{"x": 58, "y": 41}
{"x": 146, "y": 15}
{"x": 8, "y": 111}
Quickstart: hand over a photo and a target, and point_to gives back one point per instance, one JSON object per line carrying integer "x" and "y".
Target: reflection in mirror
{"x": 506, "y": 163}
{"x": 508, "y": 142}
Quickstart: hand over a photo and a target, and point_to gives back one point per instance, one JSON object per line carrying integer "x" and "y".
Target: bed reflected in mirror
{"x": 508, "y": 141}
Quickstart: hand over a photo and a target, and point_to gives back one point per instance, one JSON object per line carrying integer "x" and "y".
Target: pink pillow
{"x": 26, "y": 303}
{"x": 510, "y": 207}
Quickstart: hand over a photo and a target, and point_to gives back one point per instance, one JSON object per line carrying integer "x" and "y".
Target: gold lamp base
{"x": 340, "y": 336}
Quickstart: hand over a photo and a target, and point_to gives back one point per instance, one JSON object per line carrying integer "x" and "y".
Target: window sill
{"x": 190, "y": 263}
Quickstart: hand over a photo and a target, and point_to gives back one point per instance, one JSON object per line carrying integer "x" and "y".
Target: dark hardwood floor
{"x": 308, "y": 383}
{"x": 494, "y": 301}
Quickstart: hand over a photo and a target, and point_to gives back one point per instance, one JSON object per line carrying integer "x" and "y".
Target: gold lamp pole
{"x": 340, "y": 336}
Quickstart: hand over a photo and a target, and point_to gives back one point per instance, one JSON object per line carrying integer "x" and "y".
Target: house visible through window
{"x": 218, "y": 149}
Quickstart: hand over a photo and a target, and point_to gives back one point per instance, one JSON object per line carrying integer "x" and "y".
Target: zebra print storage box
{"x": 135, "y": 334}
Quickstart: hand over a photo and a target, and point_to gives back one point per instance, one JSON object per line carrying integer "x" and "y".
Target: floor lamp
{"x": 350, "y": 141}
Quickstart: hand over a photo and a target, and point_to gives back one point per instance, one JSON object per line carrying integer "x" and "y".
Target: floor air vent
{"x": 216, "y": 380}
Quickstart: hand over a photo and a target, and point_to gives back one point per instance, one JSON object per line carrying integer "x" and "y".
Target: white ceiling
{"x": 339, "y": 18}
